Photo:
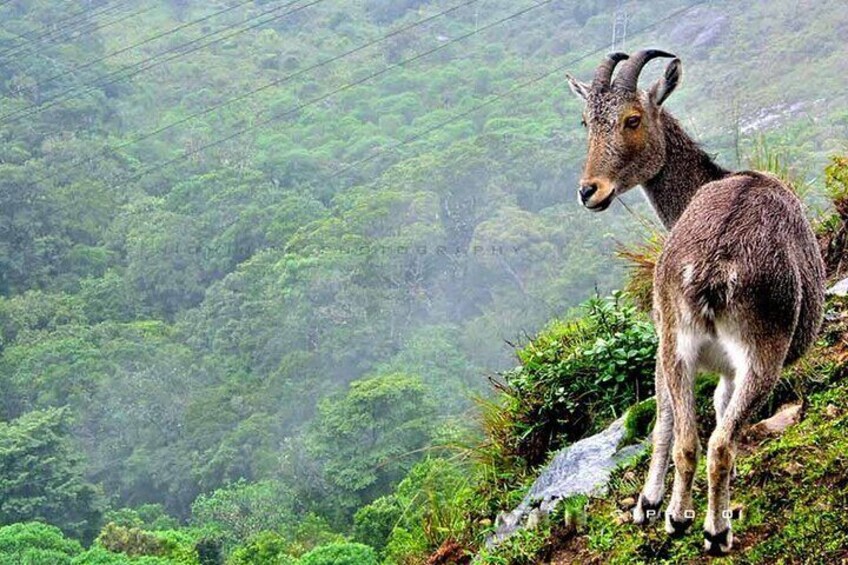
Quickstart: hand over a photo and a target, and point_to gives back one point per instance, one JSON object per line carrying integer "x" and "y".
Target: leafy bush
{"x": 266, "y": 548}
{"x": 373, "y": 524}
{"x": 836, "y": 178}
{"x": 146, "y": 516}
{"x": 285, "y": 543}
{"x": 309, "y": 532}
{"x": 179, "y": 546}
{"x": 175, "y": 546}
{"x": 241, "y": 510}
{"x": 131, "y": 541}
{"x": 832, "y": 229}
{"x": 340, "y": 554}
{"x": 99, "y": 555}
{"x": 209, "y": 551}
{"x": 577, "y": 375}
{"x": 34, "y": 542}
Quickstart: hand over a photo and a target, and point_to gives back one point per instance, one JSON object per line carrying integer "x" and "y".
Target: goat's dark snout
{"x": 586, "y": 192}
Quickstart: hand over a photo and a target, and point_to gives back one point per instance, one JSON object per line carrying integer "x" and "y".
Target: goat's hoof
{"x": 718, "y": 544}
{"x": 677, "y": 528}
{"x": 646, "y": 512}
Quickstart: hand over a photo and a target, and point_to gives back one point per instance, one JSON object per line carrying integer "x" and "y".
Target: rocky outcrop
{"x": 581, "y": 468}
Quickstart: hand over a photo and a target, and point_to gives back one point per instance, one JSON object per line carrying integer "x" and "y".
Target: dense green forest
{"x": 259, "y": 260}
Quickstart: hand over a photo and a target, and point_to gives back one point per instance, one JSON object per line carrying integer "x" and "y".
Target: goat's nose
{"x": 586, "y": 191}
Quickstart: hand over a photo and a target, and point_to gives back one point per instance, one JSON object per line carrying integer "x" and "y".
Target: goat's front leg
{"x": 679, "y": 371}
{"x": 648, "y": 506}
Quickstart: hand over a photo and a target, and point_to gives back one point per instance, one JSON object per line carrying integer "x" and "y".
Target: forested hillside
{"x": 258, "y": 258}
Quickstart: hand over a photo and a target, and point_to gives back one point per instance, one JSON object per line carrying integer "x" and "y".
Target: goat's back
{"x": 743, "y": 248}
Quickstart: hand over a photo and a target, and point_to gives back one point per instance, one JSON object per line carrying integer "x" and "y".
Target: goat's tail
{"x": 710, "y": 289}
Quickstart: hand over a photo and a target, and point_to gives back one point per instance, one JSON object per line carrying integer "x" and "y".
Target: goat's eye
{"x": 632, "y": 122}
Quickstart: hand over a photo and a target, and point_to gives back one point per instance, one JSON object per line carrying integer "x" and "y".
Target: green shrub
{"x": 35, "y": 543}
{"x": 147, "y": 516}
{"x": 373, "y": 524}
{"x": 266, "y": 548}
{"x": 285, "y": 544}
{"x": 836, "y": 179}
{"x": 177, "y": 547}
{"x": 577, "y": 375}
{"x": 340, "y": 554}
{"x": 209, "y": 551}
{"x": 309, "y": 532}
{"x": 239, "y": 511}
{"x": 99, "y": 555}
{"x": 131, "y": 541}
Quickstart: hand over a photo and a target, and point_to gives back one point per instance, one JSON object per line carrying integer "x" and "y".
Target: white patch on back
{"x": 732, "y": 278}
{"x": 688, "y": 274}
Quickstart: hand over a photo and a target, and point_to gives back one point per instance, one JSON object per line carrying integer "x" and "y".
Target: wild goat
{"x": 738, "y": 288}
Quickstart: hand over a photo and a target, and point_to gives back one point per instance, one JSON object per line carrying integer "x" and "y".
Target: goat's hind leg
{"x": 648, "y": 506}
{"x": 721, "y": 398}
{"x": 754, "y": 380}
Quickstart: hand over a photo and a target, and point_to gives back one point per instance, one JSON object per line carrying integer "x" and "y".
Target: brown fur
{"x": 738, "y": 288}
{"x": 757, "y": 230}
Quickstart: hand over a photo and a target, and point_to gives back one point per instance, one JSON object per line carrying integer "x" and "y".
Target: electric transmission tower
{"x": 619, "y": 27}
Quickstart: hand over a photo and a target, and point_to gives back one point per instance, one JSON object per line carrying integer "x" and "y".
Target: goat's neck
{"x": 687, "y": 167}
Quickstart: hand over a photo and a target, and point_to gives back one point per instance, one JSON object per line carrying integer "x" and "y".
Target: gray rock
{"x": 839, "y": 289}
{"x": 581, "y": 468}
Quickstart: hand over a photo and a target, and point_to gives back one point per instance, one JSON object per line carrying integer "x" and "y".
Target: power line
{"x": 277, "y": 82}
{"x": 91, "y": 12}
{"x": 50, "y": 27}
{"x": 43, "y": 55}
{"x": 98, "y": 82}
{"x": 145, "y": 42}
{"x": 510, "y": 92}
{"x": 104, "y": 25}
{"x": 153, "y": 62}
{"x": 343, "y": 88}
{"x": 415, "y": 137}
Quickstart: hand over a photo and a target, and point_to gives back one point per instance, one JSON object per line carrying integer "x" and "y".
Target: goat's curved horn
{"x": 603, "y": 75}
{"x": 628, "y": 77}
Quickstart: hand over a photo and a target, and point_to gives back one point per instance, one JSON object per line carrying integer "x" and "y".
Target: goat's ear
{"x": 580, "y": 89}
{"x": 666, "y": 84}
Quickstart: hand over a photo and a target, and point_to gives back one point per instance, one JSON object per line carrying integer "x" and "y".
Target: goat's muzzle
{"x": 596, "y": 195}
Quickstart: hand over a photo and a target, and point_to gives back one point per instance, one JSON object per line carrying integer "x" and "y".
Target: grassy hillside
{"x": 790, "y": 488}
